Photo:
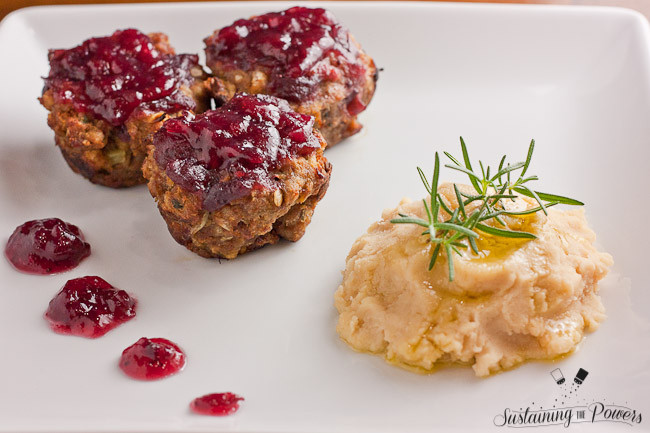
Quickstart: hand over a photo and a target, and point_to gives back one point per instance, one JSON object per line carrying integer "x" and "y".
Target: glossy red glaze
{"x": 220, "y": 404}
{"x": 111, "y": 76}
{"x": 299, "y": 48}
{"x": 89, "y": 307}
{"x": 225, "y": 153}
{"x": 355, "y": 105}
{"x": 46, "y": 246}
{"x": 152, "y": 359}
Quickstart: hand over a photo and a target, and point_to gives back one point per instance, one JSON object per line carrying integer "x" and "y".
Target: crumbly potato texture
{"x": 517, "y": 300}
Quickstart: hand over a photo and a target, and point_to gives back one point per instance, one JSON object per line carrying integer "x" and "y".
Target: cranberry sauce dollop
{"x": 223, "y": 154}
{"x": 299, "y": 48}
{"x": 46, "y": 246}
{"x": 220, "y": 404}
{"x": 111, "y": 76}
{"x": 152, "y": 359}
{"x": 89, "y": 307}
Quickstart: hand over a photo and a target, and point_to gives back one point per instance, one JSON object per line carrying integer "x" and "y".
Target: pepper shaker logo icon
{"x": 580, "y": 376}
{"x": 557, "y": 376}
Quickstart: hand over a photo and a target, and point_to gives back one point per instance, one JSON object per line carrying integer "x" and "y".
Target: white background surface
{"x": 575, "y": 79}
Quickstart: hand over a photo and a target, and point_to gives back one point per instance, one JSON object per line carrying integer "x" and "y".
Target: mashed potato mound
{"x": 514, "y": 301}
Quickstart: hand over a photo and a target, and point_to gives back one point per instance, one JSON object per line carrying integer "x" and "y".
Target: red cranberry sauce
{"x": 111, "y": 76}
{"x": 46, "y": 246}
{"x": 299, "y": 48}
{"x": 223, "y": 154}
{"x": 152, "y": 359}
{"x": 220, "y": 404}
{"x": 89, "y": 307}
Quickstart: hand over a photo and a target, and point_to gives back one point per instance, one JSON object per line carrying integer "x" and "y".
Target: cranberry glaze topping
{"x": 152, "y": 359}
{"x": 299, "y": 49}
{"x": 220, "y": 404}
{"x": 223, "y": 154}
{"x": 111, "y": 76}
{"x": 46, "y": 246}
{"x": 89, "y": 307}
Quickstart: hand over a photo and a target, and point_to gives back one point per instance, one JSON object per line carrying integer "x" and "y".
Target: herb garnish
{"x": 449, "y": 235}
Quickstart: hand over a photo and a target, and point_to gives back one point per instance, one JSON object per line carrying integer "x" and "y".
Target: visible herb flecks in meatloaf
{"x": 299, "y": 49}
{"x": 223, "y": 154}
{"x": 109, "y": 77}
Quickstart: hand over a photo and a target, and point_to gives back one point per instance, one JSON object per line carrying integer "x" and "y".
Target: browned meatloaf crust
{"x": 112, "y": 155}
{"x": 334, "y": 98}
{"x": 281, "y": 208}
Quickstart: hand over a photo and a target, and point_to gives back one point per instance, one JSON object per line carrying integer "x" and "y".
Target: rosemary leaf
{"x": 456, "y": 227}
{"x": 444, "y": 205}
{"x": 450, "y": 262}
{"x": 410, "y": 220}
{"x": 424, "y": 180}
{"x": 468, "y": 164}
{"x": 504, "y": 233}
{"x": 461, "y": 226}
{"x": 508, "y": 169}
{"x": 461, "y": 205}
{"x": 472, "y": 243}
{"x": 552, "y": 197}
{"x": 434, "y": 256}
{"x": 531, "y": 211}
{"x": 434, "y": 189}
{"x": 534, "y": 195}
{"x": 531, "y": 147}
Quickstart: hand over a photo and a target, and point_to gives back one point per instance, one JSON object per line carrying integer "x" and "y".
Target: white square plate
{"x": 575, "y": 79}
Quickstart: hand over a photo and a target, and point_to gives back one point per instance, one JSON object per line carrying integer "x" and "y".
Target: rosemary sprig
{"x": 460, "y": 229}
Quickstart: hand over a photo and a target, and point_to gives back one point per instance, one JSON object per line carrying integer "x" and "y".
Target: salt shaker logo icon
{"x": 580, "y": 376}
{"x": 557, "y": 376}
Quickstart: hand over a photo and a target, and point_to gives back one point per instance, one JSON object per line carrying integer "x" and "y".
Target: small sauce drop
{"x": 220, "y": 404}
{"x": 89, "y": 307}
{"x": 152, "y": 359}
{"x": 46, "y": 246}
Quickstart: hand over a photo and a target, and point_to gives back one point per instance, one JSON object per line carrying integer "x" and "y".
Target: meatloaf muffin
{"x": 302, "y": 55}
{"x": 236, "y": 178}
{"x": 107, "y": 95}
